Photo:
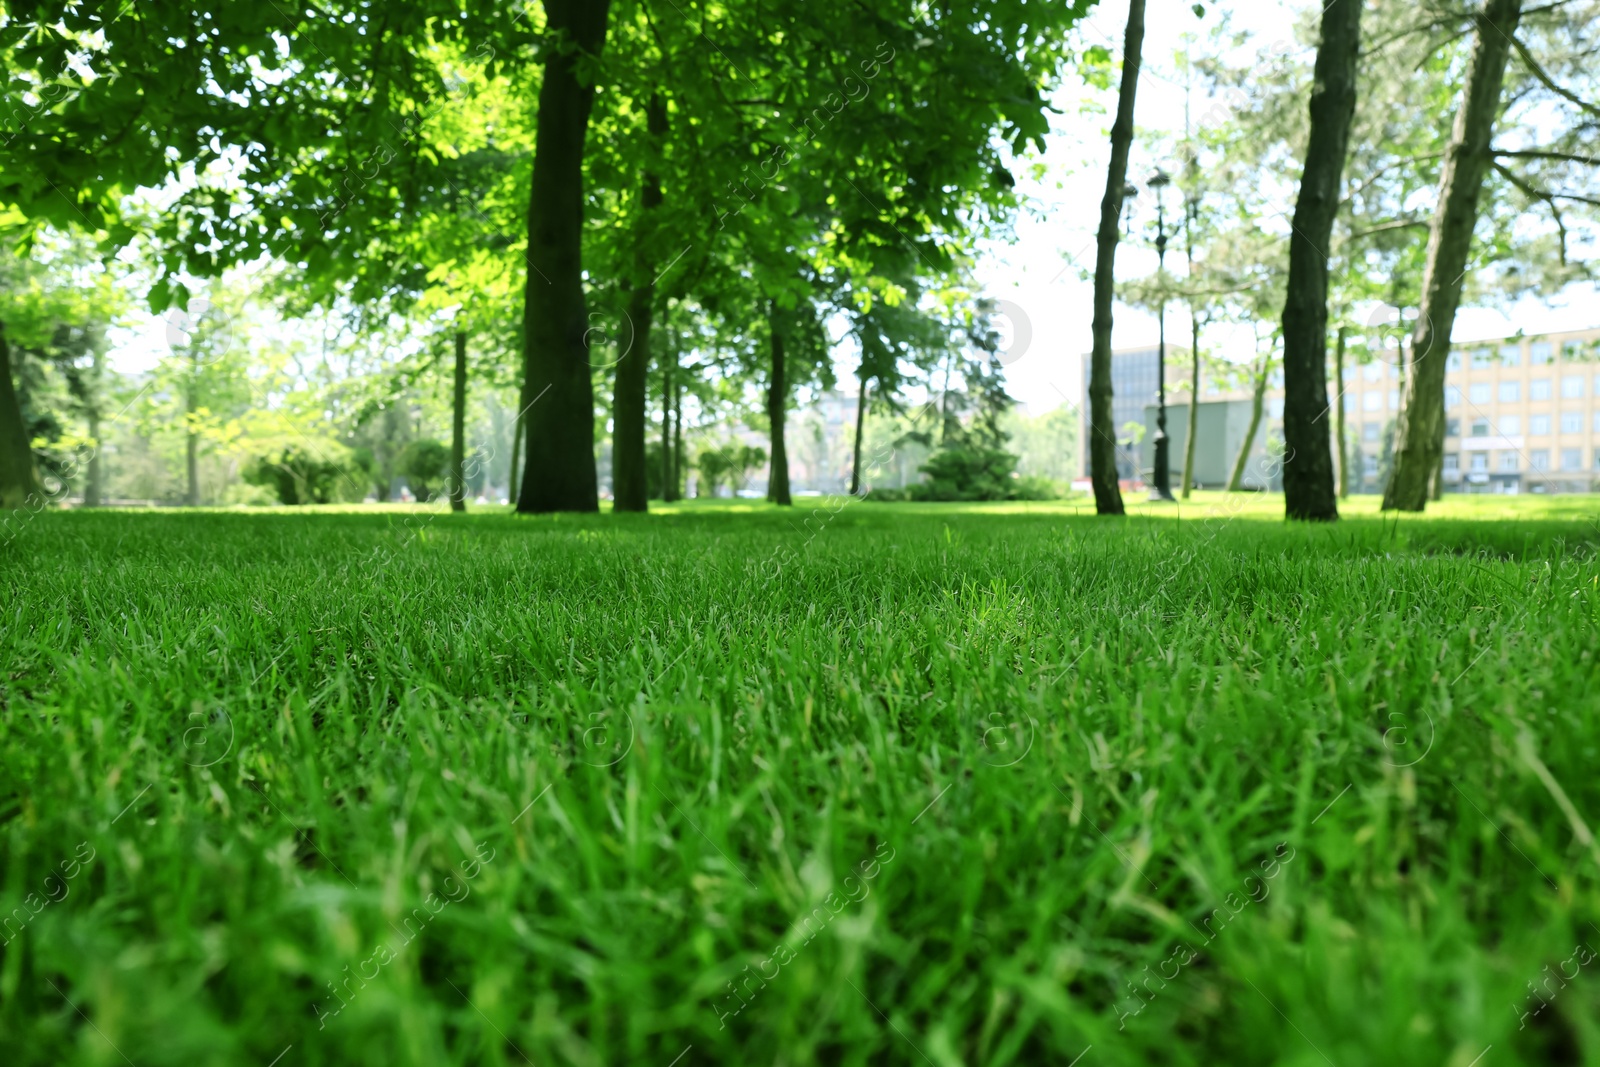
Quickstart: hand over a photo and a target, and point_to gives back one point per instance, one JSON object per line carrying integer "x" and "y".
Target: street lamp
{"x": 1159, "y": 490}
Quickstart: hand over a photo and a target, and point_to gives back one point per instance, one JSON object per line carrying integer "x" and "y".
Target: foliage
{"x": 312, "y": 474}
{"x": 423, "y": 461}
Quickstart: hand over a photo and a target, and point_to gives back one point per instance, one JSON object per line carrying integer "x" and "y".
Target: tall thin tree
{"x": 1419, "y": 433}
{"x": 1308, "y": 462}
{"x": 458, "y": 427}
{"x": 1102, "y": 434}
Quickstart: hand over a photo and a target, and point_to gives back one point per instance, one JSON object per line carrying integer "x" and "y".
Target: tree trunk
{"x": 1103, "y": 435}
{"x": 458, "y": 428}
{"x": 559, "y": 469}
{"x": 1194, "y": 404}
{"x": 19, "y": 481}
{"x": 519, "y": 439}
{"x": 666, "y": 430}
{"x": 1236, "y": 480}
{"x": 630, "y": 481}
{"x": 1308, "y": 463}
{"x": 861, "y": 422}
{"x": 92, "y": 489}
{"x": 680, "y": 476}
{"x": 777, "y": 404}
{"x": 1419, "y": 434}
{"x": 1338, "y": 415}
{"x": 191, "y": 441}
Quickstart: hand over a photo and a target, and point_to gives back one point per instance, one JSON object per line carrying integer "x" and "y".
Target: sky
{"x": 1039, "y": 274}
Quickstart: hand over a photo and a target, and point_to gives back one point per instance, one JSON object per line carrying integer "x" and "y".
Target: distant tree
{"x": 423, "y": 461}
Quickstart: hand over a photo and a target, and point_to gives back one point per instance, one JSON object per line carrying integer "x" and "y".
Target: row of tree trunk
{"x": 1310, "y": 492}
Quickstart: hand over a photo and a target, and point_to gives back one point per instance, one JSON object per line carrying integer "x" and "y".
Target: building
{"x": 1522, "y": 414}
{"x": 1133, "y": 387}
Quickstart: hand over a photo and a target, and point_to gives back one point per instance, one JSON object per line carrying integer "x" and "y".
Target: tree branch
{"x": 1541, "y": 154}
{"x": 1539, "y": 72}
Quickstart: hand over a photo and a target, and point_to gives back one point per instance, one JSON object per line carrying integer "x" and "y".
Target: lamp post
{"x": 1161, "y": 476}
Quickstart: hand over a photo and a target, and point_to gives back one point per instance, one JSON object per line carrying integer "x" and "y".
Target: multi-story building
{"x": 1522, "y": 414}
{"x": 1133, "y": 388}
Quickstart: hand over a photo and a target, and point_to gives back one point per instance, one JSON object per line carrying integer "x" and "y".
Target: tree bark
{"x": 519, "y": 439}
{"x": 1194, "y": 404}
{"x": 1236, "y": 480}
{"x": 559, "y": 468}
{"x": 1338, "y": 416}
{"x": 666, "y": 430}
{"x": 1103, "y": 435}
{"x": 861, "y": 422}
{"x": 1419, "y": 433}
{"x": 1308, "y": 462}
{"x": 191, "y": 441}
{"x": 19, "y": 480}
{"x": 777, "y": 404}
{"x": 458, "y": 428}
{"x": 92, "y": 489}
{"x": 680, "y": 482}
{"x": 630, "y": 481}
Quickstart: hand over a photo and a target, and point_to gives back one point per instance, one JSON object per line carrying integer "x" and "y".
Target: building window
{"x": 1597, "y": 422}
{"x": 1572, "y": 350}
{"x": 1452, "y": 361}
{"x": 1480, "y": 427}
{"x": 1571, "y": 459}
{"x": 1452, "y": 463}
{"x": 1510, "y": 425}
{"x": 1371, "y": 401}
{"x": 1510, "y": 392}
{"x": 1481, "y": 358}
{"x": 1372, "y": 371}
{"x": 1394, "y": 400}
{"x": 1452, "y": 427}
{"x": 1572, "y": 422}
{"x": 1452, "y": 396}
{"x": 1571, "y": 385}
{"x": 1508, "y": 463}
{"x": 1539, "y": 425}
{"x": 1510, "y": 355}
{"x": 1539, "y": 459}
{"x": 1539, "y": 353}
{"x": 1369, "y": 466}
{"x": 1480, "y": 462}
{"x": 1478, "y": 392}
{"x": 1370, "y": 432}
{"x": 1539, "y": 389}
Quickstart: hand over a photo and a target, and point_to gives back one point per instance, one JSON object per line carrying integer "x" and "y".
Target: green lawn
{"x": 860, "y": 784}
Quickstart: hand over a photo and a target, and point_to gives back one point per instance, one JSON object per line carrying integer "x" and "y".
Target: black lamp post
{"x": 1159, "y": 490}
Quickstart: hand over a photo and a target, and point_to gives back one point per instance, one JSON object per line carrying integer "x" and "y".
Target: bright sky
{"x": 1040, "y": 273}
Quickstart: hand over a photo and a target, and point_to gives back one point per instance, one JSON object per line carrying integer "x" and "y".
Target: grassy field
{"x": 860, "y": 784}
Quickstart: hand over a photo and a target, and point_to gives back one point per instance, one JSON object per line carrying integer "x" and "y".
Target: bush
{"x": 888, "y": 496}
{"x": 299, "y": 476}
{"x": 245, "y": 495}
{"x": 424, "y": 460}
{"x": 967, "y": 472}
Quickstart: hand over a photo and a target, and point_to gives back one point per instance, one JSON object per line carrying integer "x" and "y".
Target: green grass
{"x": 1030, "y": 753}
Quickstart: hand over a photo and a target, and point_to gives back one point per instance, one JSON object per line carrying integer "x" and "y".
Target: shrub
{"x": 424, "y": 460}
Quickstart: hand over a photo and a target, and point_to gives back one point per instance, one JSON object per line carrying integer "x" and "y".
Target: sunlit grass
{"x": 1017, "y": 756}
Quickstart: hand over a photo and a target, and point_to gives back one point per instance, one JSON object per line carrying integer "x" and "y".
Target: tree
{"x": 1419, "y": 436}
{"x": 558, "y": 469}
{"x": 424, "y": 461}
{"x": 1308, "y": 464}
{"x": 1102, "y": 434}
